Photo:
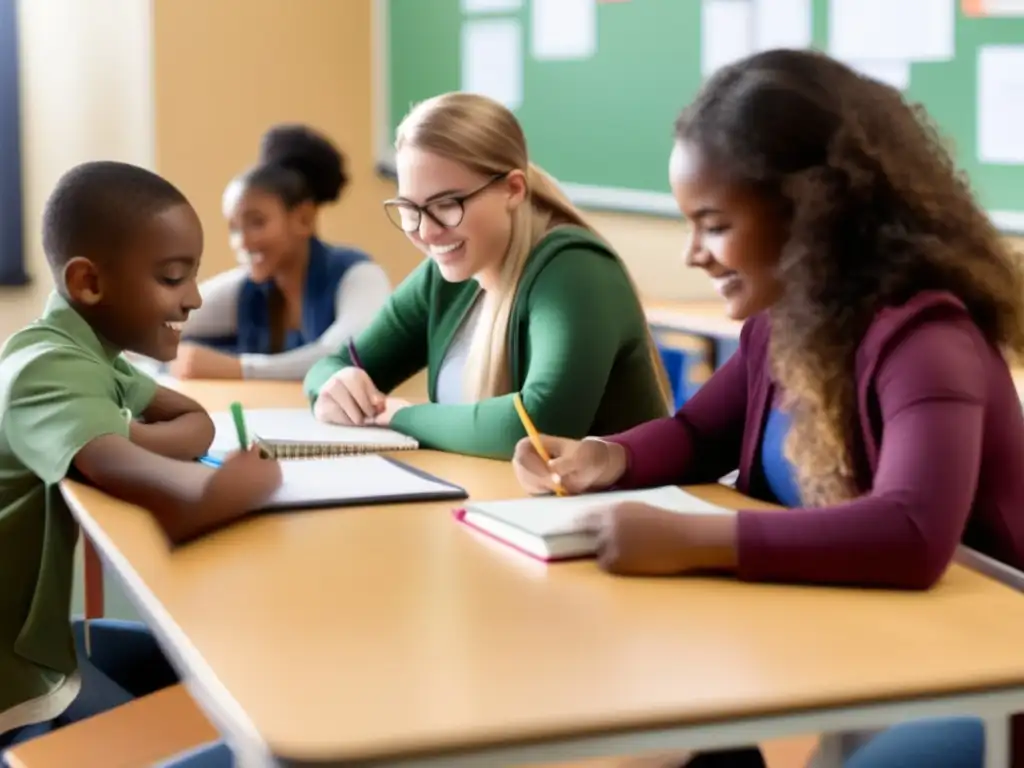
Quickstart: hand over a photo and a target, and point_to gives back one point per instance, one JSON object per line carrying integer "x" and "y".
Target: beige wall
{"x": 218, "y": 86}
{"x": 85, "y": 84}
{"x": 225, "y": 70}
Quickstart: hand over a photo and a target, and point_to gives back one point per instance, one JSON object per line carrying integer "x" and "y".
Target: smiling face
{"x": 139, "y": 299}
{"x": 737, "y": 234}
{"x": 475, "y": 247}
{"x": 265, "y": 235}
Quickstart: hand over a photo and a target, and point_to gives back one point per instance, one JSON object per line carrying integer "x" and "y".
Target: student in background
{"x": 295, "y": 299}
{"x": 517, "y": 294}
{"x": 870, "y": 392}
{"x": 123, "y": 245}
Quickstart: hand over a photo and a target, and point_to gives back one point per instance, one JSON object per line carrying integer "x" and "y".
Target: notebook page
{"x": 553, "y": 515}
{"x": 297, "y": 425}
{"x": 348, "y": 478}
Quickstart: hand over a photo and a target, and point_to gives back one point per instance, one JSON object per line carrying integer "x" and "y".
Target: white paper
{"x": 727, "y": 33}
{"x": 351, "y": 478}
{"x": 492, "y": 60}
{"x": 564, "y": 29}
{"x": 900, "y": 30}
{"x": 894, "y": 73}
{"x": 782, "y": 24}
{"x": 1001, "y": 104}
{"x": 491, "y": 6}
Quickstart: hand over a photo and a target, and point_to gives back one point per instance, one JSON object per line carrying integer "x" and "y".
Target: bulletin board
{"x": 597, "y": 84}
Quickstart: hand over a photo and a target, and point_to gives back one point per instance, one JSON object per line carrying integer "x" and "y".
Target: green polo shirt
{"x": 61, "y": 386}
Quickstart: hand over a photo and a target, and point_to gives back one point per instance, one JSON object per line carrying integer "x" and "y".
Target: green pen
{"x": 239, "y": 417}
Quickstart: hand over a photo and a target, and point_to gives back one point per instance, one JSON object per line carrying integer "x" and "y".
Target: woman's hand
{"x": 641, "y": 540}
{"x": 349, "y": 398}
{"x": 577, "y": 465}
{"x": 392, "y": 405}
{"x": 195, "y": 361}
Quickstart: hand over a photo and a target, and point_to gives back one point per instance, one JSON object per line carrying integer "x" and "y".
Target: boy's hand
{"x": 243, "y": 483}
{"x": 195, "y": 361}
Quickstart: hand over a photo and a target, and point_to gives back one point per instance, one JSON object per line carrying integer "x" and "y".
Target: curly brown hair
{"x": 877, "y": 212}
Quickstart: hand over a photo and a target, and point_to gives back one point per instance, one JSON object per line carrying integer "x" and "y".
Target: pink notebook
{"x": 547, "y": 527}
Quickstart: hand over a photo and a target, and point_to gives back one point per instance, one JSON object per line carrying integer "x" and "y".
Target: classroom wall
{"x": 219, "y": 84}
{"x": 218, "y": 87}
{"x": 187, "y": 87}
{"x": 85, "y": 94}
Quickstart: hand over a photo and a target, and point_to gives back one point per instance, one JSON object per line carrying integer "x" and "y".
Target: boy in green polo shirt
{"x": 124, "y": 248}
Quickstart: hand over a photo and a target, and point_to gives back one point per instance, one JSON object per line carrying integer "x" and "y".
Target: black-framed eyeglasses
{"x": 446, "y": 212}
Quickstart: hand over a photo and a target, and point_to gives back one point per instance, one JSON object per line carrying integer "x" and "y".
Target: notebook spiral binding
{"x": 278, "y": 450}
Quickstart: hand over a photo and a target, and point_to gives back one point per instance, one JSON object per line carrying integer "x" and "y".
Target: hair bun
{"x": 310, "y": 154}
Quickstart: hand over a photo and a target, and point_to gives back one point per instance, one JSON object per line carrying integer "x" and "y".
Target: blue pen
{"x": 210, "y": 461}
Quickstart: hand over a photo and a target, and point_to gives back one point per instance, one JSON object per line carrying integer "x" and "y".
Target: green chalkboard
{"x": 602, "y": 125}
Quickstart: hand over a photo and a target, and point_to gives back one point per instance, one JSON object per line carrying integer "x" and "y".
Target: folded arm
{"x": 174, "y": 426}
{"x": 573, "y": 340}
{"x": 360, "y": 296}
{"x": 904, "y": 533}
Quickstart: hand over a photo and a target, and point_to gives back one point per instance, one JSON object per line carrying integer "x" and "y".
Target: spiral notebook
{"x": 294, "y": 433}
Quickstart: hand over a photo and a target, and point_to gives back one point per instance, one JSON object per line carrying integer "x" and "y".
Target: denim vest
{"x": 327, "y": 266}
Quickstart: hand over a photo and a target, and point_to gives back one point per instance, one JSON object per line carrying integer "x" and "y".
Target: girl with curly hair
{"x": 871, "y": 392}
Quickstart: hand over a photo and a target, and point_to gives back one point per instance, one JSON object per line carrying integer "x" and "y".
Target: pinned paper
{"x": 993, "y": 7}
{"x": 892, "y": 30}
{"x": 894, "y": 73}
{"x": 492, "y": 60}
{"x": 1001, "y": 104}
{"x": 564, "y": 29}
{"x": 727, "y": 33}
{"x": 491, "y": 6}
{"x": 782, "y": 24}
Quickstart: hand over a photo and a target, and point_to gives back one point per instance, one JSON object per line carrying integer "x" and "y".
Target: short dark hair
{"x": 97, "y": 206}
{"x": 298, "y": 165}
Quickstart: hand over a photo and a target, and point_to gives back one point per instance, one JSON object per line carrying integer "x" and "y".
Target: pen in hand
{"x": 534, "y": 435}
{"x": 238, "y": 415}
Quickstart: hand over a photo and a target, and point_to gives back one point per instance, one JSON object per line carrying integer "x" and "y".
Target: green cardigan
{"x": 577, "y": 345}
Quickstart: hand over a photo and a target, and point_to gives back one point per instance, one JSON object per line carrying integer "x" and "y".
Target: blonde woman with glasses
{"x": 518, "y": 294}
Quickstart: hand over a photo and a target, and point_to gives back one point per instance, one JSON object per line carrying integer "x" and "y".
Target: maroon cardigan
{"x": 938, "y": 455}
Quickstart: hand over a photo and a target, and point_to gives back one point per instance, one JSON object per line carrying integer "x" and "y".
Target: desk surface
{"x": 384, "y": 631}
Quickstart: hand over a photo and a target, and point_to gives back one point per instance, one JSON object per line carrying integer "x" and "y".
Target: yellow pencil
{"x": 534, "y": 436}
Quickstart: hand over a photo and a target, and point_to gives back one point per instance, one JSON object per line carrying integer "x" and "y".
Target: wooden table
{"x": 392, "y": 635}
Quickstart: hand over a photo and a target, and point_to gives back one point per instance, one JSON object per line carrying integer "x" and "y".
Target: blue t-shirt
{"x": 778, "y": 472}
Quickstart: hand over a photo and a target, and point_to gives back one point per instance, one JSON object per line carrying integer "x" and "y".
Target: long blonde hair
{"x": 484, "y": 136}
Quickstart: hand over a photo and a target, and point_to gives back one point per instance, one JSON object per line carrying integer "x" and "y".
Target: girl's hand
{"x": 641, "y": 540}
{"x": 194, "y": 361}
{"x": 579, "y": 465}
